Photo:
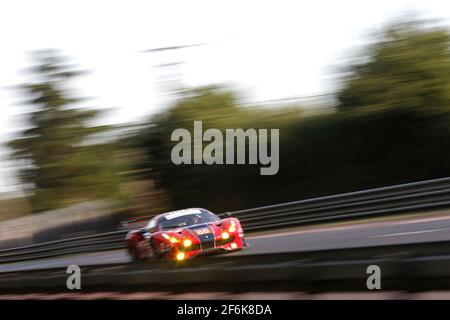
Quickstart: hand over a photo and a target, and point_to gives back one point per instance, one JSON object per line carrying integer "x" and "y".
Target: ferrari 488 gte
{"x": 184, "y": 234}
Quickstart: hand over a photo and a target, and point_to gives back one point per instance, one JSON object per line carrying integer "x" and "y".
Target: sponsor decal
{"x": 179, "y": 213}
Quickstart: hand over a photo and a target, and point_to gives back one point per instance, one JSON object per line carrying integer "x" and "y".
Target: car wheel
{"x": 156, "y": 254}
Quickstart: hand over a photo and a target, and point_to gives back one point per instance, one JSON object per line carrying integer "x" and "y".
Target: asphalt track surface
{"x": 415, "y": 230}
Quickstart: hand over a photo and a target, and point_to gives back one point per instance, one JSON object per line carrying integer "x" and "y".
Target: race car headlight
{"x": 187, "y": 243}
{"x": 180, "y": 256}
{"x": 173, "y": 240}
{"x": 225, "y": 235}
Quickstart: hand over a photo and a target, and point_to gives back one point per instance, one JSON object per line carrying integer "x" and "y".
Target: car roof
{"x": 177, "y": 213}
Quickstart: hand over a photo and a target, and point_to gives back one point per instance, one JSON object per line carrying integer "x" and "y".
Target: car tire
{"x": 156, "y": 254}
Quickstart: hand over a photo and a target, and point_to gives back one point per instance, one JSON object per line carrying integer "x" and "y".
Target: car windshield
{"x": 187, "y": 219}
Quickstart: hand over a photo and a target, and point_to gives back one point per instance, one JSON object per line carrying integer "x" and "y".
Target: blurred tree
{"x": 63, "y": 164}
{"x": 213, "y": 105}
{"x": 392, "y": 127}
{"x": 406, "y": 68}
{"x": 396, "y": 99}
{"x": 218, "y": 187}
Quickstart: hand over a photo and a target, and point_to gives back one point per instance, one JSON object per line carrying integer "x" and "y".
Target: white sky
{"x": 269, "y": 49}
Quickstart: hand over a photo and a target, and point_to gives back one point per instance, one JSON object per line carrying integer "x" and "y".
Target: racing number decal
{"x": 202, "y": 231}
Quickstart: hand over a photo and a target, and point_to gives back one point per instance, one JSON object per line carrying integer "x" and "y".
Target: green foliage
{"x": 408, "y": 67}
{"x": 217, "y": 108}
{"x": 60, "y": 166}
{"x": 392, "y": 126}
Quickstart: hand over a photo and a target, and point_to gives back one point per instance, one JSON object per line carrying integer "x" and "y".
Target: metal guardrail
{"x": 381, "y": 201}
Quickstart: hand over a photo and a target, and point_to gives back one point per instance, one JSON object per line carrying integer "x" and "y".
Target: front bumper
{"x": 199, "y": 249}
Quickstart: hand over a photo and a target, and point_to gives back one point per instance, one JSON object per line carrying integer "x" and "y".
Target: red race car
{"x": 184, "y": 234}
